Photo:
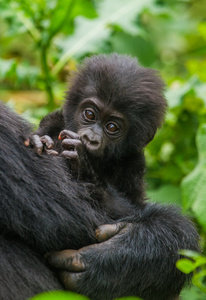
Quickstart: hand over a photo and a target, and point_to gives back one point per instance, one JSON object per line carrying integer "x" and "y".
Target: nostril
{"x": 86, "y": 139}
{"x": 90, "y": 144}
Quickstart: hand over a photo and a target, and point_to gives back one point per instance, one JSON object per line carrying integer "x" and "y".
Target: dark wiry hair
{"x": 118, "y": 80}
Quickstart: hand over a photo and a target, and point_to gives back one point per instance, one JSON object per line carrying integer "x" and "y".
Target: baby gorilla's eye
{"x": 89, "y": 115}
{"x": 112, "y": 128}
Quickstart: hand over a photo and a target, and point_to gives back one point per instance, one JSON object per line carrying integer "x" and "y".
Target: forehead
{"x": 114, "y": 91}
{"x": 108, "y": 78}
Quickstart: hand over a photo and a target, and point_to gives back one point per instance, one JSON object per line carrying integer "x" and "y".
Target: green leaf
{"x": 90, "y": 33}
{"x": 202, "y": 29}
{"x": 185, "y": 265}
{"x": 190, "y": 254}
{"x": 193, "y": 185}
{"x": 125, "y": 43}
{"x": 66, "y": 11}
{"x": 176, "y": 92}
{"x": 199, "y": 280}
{"x": 57, "y": 295}
{"x": 192, "y": 293}
{"x": 167, "y": 193}
{"x": 200, "y": 90}
{"x": 198, "y": 258}
{"x": 84, "y": 8}
{"x": 7, "y": 67}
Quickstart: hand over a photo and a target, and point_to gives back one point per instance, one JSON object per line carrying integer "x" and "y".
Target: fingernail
{"x": 27, "y": 142}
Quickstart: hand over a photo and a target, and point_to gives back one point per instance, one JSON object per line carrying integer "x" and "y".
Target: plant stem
{"x": 47, "y": 77}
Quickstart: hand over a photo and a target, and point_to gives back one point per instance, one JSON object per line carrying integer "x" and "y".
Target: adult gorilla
{"x": 42, "y": 209}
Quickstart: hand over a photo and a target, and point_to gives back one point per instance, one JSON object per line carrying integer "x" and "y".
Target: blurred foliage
{"x": 196, "y": 263}
{"x": 43, "y": 41}
{"x": 194, "y": 184}
{"x": 60, "y": 295}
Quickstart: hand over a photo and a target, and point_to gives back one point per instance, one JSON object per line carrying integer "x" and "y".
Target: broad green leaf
{"x": 66, "y": 11}
{"x": 197, "y": 67}
{"x": 90, "y": 33}
{"x": 189, "y": 253}
{"x": 24, "y": 14}
{"x": 176, "y": 92}
{"x": 202, "y": 29}
{"x": 57, "y": 295}
{"x": 167, "y": 193}
{"x": 7, "y": 66}
{"x": 125, "y": 43}
{"x": 200, "y": 90}
{"x": 83, "y": 8}
{"x": 194, "y": 185}
{"x": 192, "y": 293}
{"x": 199, "y": 280}
{"x": 199, "y": 259}
{"x": 185, "y": 265}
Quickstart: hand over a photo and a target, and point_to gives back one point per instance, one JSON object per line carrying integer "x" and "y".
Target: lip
{"x": 91, "y": 147}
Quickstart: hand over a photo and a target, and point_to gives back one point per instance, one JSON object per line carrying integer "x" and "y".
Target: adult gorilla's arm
{"x": 138, "y": 260}
{"x": 38, "y": 201}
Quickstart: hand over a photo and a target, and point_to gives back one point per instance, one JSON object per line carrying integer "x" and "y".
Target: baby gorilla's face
{"x": 99, "y": 126}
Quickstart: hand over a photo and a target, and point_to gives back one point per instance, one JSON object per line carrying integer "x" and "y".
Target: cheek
{"x": 118, "y": 147}
{"x": 113, "y": 149}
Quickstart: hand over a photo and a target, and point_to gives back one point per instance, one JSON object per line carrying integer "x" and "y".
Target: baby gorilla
{"x": 112, "y": 111}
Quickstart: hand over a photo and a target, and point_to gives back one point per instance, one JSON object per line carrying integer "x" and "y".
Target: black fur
{"x": 136, "y": 92}
{"x": 43, "y": 209}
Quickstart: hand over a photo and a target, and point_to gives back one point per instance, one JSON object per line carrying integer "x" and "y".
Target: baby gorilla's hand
{"x": 41, "y": 144}
{"x": 72, "y": 149}
{"x": 71, "y": 144}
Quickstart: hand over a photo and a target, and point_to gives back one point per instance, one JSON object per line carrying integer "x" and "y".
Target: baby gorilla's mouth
{"x": 93, "y": 148}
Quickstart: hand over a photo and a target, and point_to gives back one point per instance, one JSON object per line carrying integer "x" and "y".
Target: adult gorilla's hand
{"x": 133, "y": 258}
{"x": 76, "y": 266}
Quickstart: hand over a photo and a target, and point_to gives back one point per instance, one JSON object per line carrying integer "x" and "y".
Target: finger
{"x": 69, "y": 154}
{"x": 70, "y": 260}
{"x": 70, "y": 280}
{"x": 71, "y": 144}
{"x": 51, "y": 152}
{"x": 38, "y": 145}
{"x": 68, "y": 134}
{"x": 107, "y": 231}
{"x": 45, "y": 139}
